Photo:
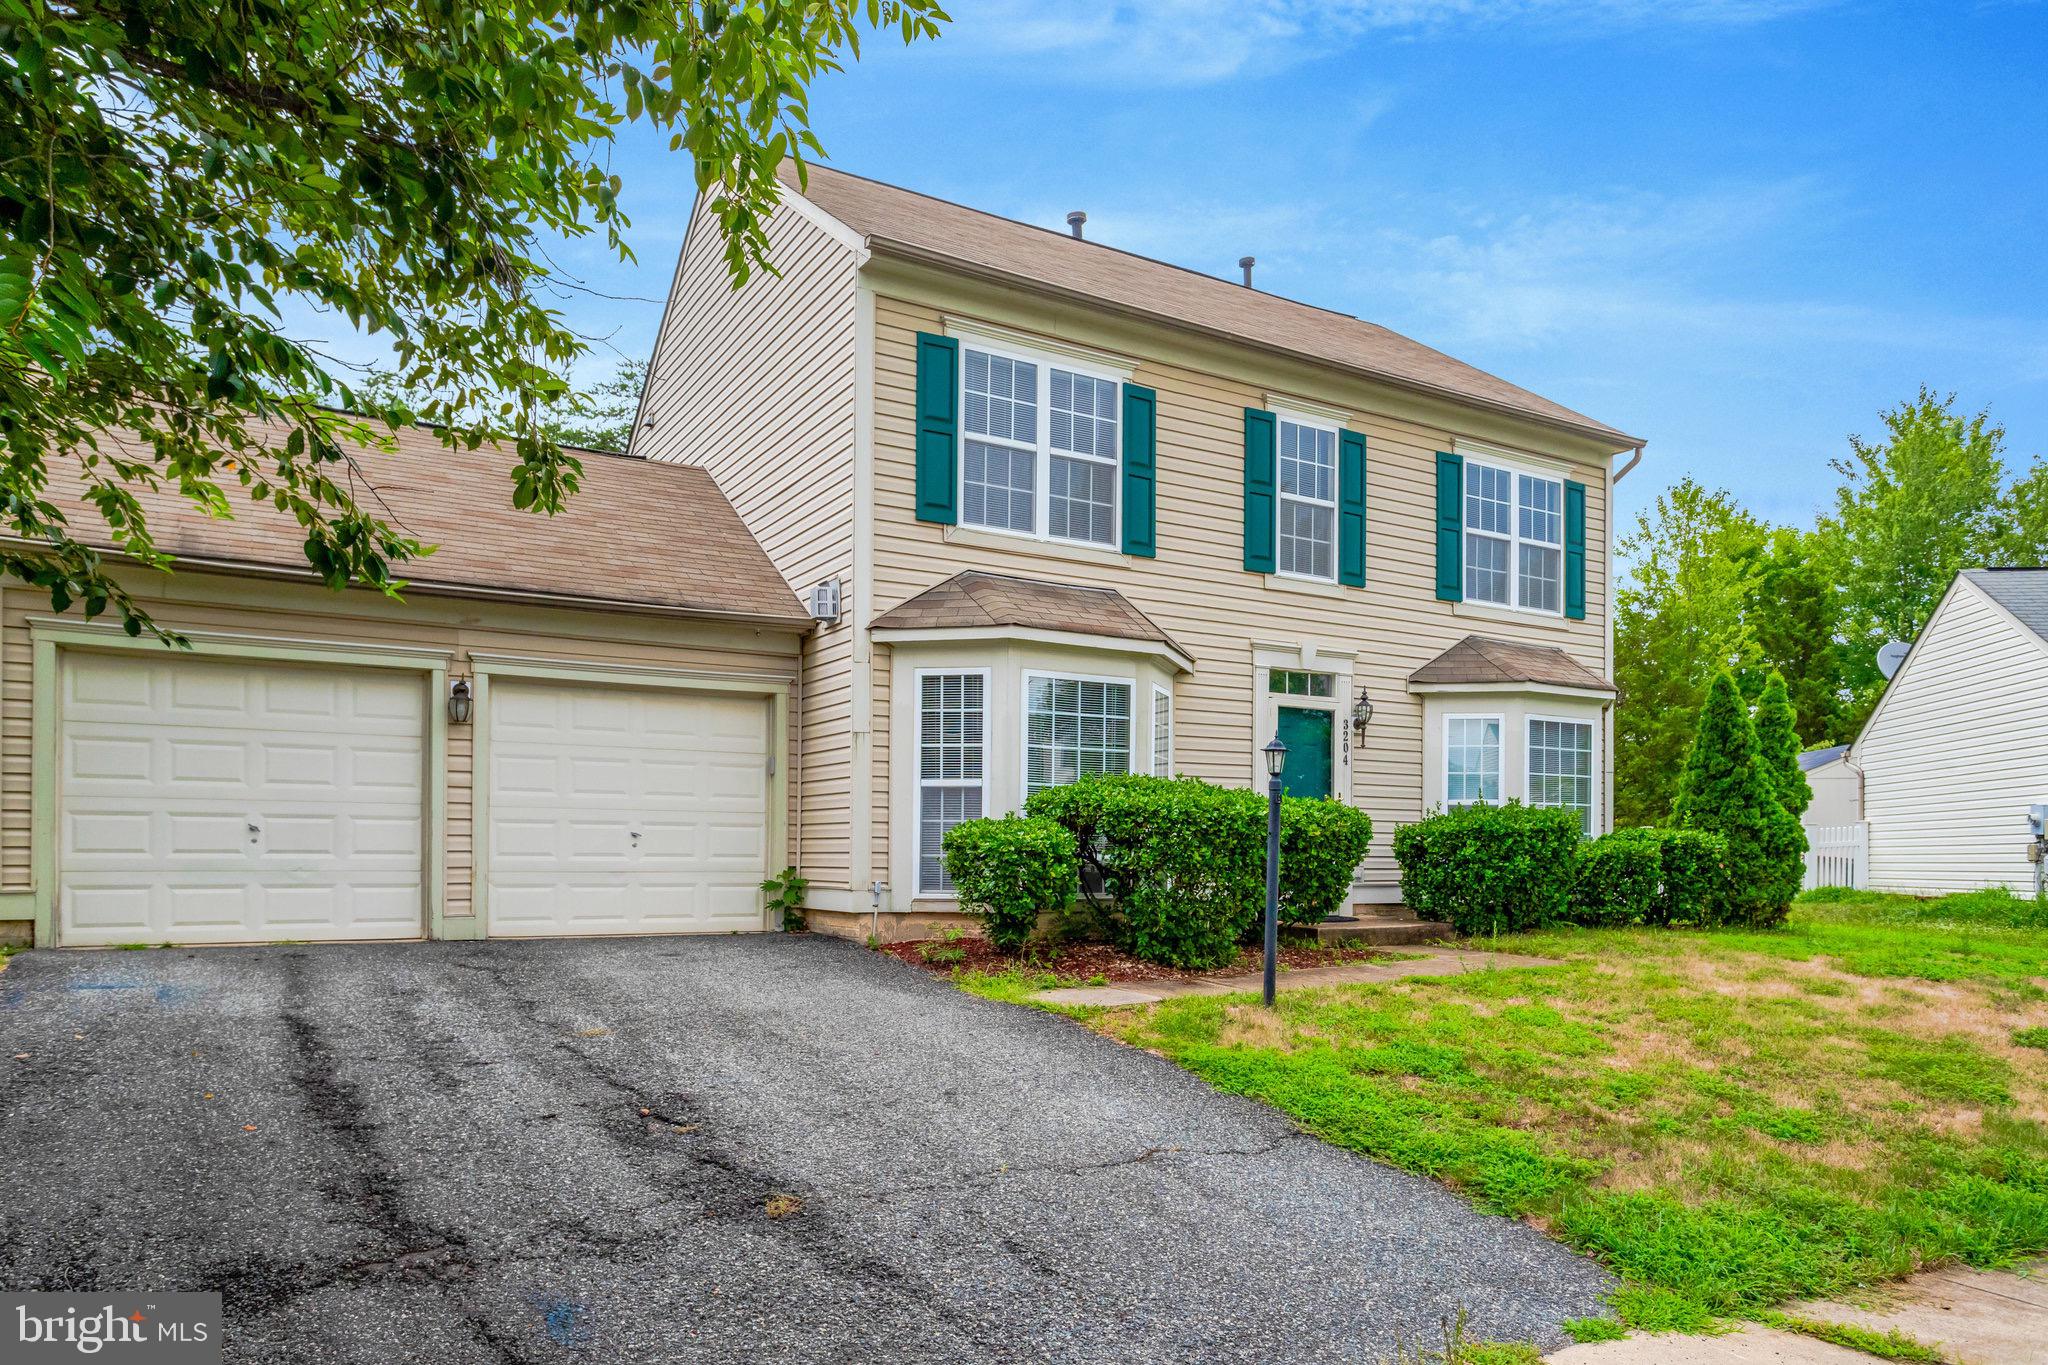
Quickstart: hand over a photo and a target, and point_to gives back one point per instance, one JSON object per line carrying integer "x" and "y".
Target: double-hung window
{"x": 1074, "y": 728}
{"x": 1514, "y": 538}
{"x": 1040, "y": 448}
{"x": 1561, "y": 766}
{"x": 1307, "y": 506}
{"x": 951, "y": 765}
{"x": 1162, "y": 732}
{"x": 1471, "y": 760}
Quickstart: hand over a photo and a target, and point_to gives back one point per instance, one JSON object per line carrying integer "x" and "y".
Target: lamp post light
{"x": 1276, "y": 764}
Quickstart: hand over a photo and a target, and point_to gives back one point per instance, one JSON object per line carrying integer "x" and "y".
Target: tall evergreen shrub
{"x": 1727, "y": 789}
{"x": 1777, "y": 736}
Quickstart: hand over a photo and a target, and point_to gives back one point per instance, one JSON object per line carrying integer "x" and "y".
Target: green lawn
{"x": 1730, "y": 1120}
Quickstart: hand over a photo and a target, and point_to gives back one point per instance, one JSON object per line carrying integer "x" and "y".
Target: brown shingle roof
{"x": 1476, "y": 659}
{"x": 637, "y": 533}
{"x": 973, "y": 599}
{"x": 919, "y": 225}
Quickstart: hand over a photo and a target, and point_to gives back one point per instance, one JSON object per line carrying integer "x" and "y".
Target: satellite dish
{"x": 1891, "y": 656}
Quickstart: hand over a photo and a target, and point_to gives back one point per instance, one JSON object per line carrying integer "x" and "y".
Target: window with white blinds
{"x": 1074, "y": 728}
{"x": 1561, "y": 767}
{"x": 1162, "y": 732}
{"x": 951, "y": 766}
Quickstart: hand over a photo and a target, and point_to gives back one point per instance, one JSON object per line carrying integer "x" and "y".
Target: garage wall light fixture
{"x": 458, "y": 702}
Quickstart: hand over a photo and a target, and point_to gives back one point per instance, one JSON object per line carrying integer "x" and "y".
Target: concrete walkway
{"x": 1973, "y": 1317}
{"x": 1414, "y": 962}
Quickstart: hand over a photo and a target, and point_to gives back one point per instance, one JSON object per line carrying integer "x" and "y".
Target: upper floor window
{"x": 1307, "y": 509}
{"x": 1040, "y": 448}
{"x": 1514, "y": 538}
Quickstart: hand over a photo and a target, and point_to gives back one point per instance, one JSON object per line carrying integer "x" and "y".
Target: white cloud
{"x": 1177, "y": 42}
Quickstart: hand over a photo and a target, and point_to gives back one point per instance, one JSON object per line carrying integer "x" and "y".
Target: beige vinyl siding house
{"x": 297, "y": 772}
{"x": 1046, "y": 473}
{"x": 1957, "y": 751}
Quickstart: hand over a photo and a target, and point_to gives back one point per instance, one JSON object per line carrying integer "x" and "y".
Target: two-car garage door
{"x": 223, "y": 801}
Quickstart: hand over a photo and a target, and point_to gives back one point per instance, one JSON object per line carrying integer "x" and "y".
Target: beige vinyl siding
{"x": 198, "y": 602}
{"x": 1197, "y": 588}
{"x": 757, "y": 387}
{"x": 1956, "y": 752}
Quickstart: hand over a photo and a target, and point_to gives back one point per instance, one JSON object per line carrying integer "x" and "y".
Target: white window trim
{"x": 1592, "y": 729}
{"x": 1159, "y": 692}
{"x": 920, "y": 782}
{"x": 1042, "y": 452}
{"x": 1024, "y": 720}
{"x": 1514, "y": 471}
{"x": 1500, "y": 722}
{"x": 1336, "y": 429}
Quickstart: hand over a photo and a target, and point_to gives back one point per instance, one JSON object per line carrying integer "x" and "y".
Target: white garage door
{"x": 220, "y": 802}
{"x": 625, "y": 810}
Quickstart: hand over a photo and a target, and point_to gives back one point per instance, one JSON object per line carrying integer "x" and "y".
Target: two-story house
{"x": 1074, "y": 510}
{"x": 1078, "y": 511}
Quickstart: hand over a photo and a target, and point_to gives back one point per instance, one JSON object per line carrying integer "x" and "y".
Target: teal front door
{"x": 1306, "y": 734}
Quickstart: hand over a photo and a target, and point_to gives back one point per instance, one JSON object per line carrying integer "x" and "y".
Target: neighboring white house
{"x": 1837, "y": 790}
{"x": 1957, "y": 750}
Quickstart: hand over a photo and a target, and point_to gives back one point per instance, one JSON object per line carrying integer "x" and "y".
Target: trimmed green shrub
{"x": 1011, "y": 871}
{"x": 1777, "y": 739}
{"x": 1726, "y": 789}
{"x": 1322, "y": 842}
{"x": 1183, "y": 861}
{"x": 1616, "y": 881}
{"x": 1692, "y": 876}
{"x": 1490, "y": 869}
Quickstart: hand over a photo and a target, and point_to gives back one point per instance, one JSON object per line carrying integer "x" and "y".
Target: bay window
{"x": 951, "y": 766}
{"x": 1561, "y": 766}
{"x": 1074, "y": 728}
{"x": 1471, "y": 760}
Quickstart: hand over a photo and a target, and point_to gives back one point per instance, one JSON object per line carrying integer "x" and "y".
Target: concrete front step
{"x": 1393, "y": 927}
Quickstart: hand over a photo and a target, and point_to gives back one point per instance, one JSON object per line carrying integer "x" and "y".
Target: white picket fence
{"x": 1837, "y": 855}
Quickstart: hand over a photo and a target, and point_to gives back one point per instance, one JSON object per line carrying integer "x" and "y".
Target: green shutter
{"x": 1351, "y": 508}
{"x": 1259, "y": 490}
{"x": 1575, "y": 550}
{"x": 1141, "y": 462}
{"x": 1450, "y": 527}
{"x": 938, "y": 427}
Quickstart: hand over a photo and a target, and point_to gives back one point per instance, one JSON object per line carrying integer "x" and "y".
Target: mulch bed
{"x": 1082, "y": 962}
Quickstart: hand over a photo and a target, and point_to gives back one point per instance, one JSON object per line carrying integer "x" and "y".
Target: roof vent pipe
{"x": 1074, "y": 221}
{"x": 1245, "y": 263}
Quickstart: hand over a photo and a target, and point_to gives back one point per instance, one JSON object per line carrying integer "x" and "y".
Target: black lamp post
{"x": 1276, "y": 763}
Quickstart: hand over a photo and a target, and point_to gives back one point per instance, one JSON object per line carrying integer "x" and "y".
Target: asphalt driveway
{"x": 574, "y": 1151}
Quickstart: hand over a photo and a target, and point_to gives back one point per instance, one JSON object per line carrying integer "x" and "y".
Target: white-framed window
{"x": 1471, "y": 760}
{"x": 1039, "y": 446}
{"x": 1299, "y": 682}
{"x": 1074, "y": 727}
{"x": 1514, "y": 537}
{"x": 1162, "y": 732}
{"x": 1561, "y": 766}
{"x": 1306, "y": 509}
{"x": 952, "y": 765}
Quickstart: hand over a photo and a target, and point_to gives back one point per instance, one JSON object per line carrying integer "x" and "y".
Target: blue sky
{"x": 1739, "y": 228}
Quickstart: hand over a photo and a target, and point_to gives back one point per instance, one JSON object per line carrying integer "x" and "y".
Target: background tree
{"x": 1777, "y": 739}
{"x": 1795, "y": 613}
{"x": 1927, "y": 501}
{"x": 1727, "y": 789}
{"x": 601, "y": 419}
{"x": 1680, "y": 616}
{"x": 178, "y": 177}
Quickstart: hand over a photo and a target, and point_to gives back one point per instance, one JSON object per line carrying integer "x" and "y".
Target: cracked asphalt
{"x": 574, "y": 1151}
